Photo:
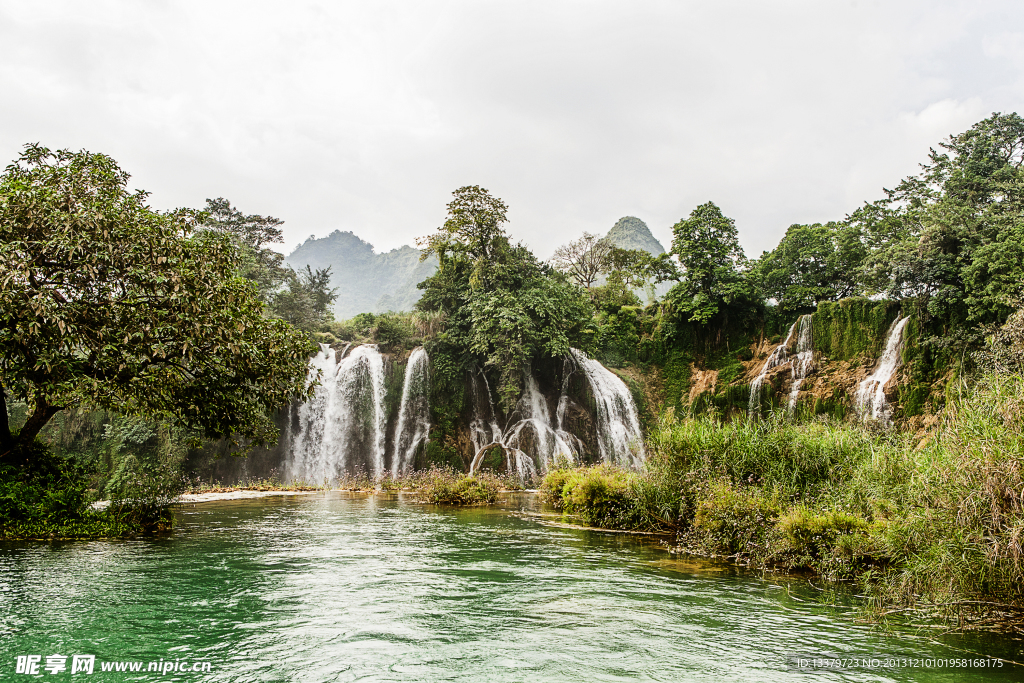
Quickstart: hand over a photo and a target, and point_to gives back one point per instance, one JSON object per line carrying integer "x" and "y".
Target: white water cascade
{"x": 803, "y": 361}
{"x": 870, "y": 399}
{"x": 619, "y": 437}
{"x": 549, "y": 440}
{"x": 534, "y": 442}
{"x": 778, "y": 356}
{"x": 343, "y": 427}
{"x": 533, "y": 432}
{"x": 484, "y": 429}
{"x": 414, "y": 412}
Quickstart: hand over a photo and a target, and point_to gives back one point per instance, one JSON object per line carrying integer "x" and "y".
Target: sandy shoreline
{"x": 193, "y": 498}
{"x": 237, "y": 495}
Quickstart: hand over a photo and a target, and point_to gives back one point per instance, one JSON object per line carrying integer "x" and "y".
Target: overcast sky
{"x": 364, "y": 116}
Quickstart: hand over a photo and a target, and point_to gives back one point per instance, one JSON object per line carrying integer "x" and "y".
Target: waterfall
{"x": 549, "y": 440}
{"x": 534, "y": 442}
{"x": 619, "y": 437}
{"x": 803, "y": 361}
{"x": 342, "y": 428}
{"x": 483, "y": 431}
{"x": 531, "y": 443}
{"x": 870, "y": 400}
{"x": 414, "y": 412}
{"x": 778, "y": 356}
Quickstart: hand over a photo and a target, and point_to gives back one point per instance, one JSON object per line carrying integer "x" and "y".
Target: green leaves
{"x": 708, "y": 248}
{"x": 106, "y": 301}
{"x": 502, "y": 307}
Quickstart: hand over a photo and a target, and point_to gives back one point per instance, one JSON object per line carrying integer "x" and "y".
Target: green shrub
{"x": 47, "y": 497}
{"x": 728, "y": 520}
{"x": 448, "y": 487}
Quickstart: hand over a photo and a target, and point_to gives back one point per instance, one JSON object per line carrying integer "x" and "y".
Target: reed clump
{"x": 933, "y": 523}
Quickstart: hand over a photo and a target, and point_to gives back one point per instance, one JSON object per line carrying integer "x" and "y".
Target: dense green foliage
{"x": 105, "y": 301}
{"x": 709, "y": 252}
{"x": 49, "y": 498}
{"x": 812, "y": 264}
{"x": 502, "y": 307}
{"x": 932, "y": 522}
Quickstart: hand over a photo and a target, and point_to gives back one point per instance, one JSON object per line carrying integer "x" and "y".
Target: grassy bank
{"x": 932, "y": 522}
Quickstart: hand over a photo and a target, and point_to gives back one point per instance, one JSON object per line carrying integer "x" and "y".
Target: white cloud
{"x": 364, "y": 116}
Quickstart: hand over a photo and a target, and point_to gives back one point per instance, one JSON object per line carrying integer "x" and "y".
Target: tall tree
{"x": 953, "y": 235}
{"x": 307, "y": 301}
{"x": 501, "y": 306}
{"x": 584, "y": 260}
{"x": 251, "y": 234}
{"x": 707, "y": 246}
{"x": 811, "y": 264}
{"x": 107, "y": 302}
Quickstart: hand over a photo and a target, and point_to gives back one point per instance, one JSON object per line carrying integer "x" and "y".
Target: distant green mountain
{"x": 633, "y": 233}
{"x": 367, "y": 282}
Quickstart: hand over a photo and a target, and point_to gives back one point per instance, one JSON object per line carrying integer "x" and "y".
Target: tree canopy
{"x": 502, "y": 307}
{"x": 953, "y": 235}
{"x": 811, "y": 264}
{"x": 107, "y": 302}
{"x": 708, "y": 248}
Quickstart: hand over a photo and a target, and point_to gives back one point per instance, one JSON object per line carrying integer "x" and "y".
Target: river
{"x": 347, "y": 587}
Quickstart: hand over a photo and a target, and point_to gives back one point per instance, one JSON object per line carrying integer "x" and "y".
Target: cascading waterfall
{"x": 533, "y": 431}
{"x": 343, "y": 426}
{"x": 619, "y": 437}
{"x": 484, "y": 429}
{"x": 803, "y": 361}
{"x": 870, "y": 400}
{"x": 778, "y": 356}
{"x": 550, "y": 440}
{"x": 414, "y": 412}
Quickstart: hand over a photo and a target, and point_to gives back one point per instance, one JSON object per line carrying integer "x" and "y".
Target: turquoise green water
{"x": 354, "y": 587}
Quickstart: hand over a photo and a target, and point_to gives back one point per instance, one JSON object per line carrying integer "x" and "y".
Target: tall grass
{"x": 931, "y": 521}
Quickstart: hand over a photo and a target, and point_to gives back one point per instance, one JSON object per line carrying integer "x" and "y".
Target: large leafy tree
{"x": 811, "y": 264}
{"x": 107, "y": 302}
{"x": 953, "y": 235}
{"x": 502, "y": 307}
{"x": 709, "y": 252}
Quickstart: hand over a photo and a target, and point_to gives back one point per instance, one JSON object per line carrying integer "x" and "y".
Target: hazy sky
{"x": 364, "y": 116}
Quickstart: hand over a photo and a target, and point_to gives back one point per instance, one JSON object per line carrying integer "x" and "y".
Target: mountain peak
{"x": 632, "y": 233}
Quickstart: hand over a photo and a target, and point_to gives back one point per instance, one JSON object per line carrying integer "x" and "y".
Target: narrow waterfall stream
{"x": 870, "y": 400}
{"x": 413, "y": 413}
{"x": 803, "y": 361}
{"x": 619, "y": 436}
{"x": 778, "y": 356}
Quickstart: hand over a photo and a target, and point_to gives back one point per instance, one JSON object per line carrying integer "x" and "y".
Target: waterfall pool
{"x": 346, "y": 587}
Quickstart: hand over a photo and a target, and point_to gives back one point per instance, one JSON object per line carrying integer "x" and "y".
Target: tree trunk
{"x": 6, "y": 440}
{"x": 26, "y": 435}
{"x": 36, "y": 421}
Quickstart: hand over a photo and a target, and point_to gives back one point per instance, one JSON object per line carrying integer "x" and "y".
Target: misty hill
{"x": 367, "y": 282}
{"x": 633, "y": 233}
